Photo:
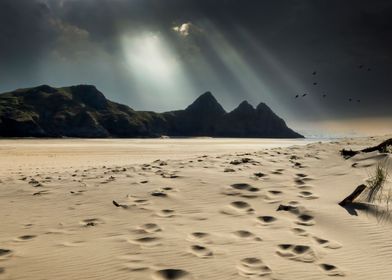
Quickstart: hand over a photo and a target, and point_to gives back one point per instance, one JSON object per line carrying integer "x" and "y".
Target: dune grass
{"x": 376, "y": 191}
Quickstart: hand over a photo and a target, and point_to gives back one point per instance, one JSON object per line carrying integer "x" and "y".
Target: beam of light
{"x": 268, "y": 58}
{"x": 254, "y": 87}
{"x": 155, "y": 70}
{"x": 294, "y": 86}
{"x": 205, "y": 75}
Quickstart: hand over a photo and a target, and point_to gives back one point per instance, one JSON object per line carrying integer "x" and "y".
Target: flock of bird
{"x": 314, "y": 73}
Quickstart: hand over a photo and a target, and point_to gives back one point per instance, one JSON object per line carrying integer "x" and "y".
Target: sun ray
{"x": 155, "y": 69}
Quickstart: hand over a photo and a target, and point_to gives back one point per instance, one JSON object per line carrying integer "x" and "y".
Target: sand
{"x": 188, "y": 209}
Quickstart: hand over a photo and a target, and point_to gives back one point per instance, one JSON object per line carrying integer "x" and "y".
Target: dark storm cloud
{"x": 29, "y": 32}
{"x": 24, "y": 34}
{"x": 80, "y": 40}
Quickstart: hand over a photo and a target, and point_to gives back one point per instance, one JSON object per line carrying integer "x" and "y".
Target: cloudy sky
{"x": 161, "y": 54}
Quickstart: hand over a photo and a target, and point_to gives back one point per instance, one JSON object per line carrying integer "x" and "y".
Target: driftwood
{"x": 349, "y": 199}
{"x": 119, "y": 205}
{"x": 348, "y": 153}
{"x": 382, "y": 148}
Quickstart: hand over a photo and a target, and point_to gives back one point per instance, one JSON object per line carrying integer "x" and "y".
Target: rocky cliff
{"x": 83, "y": 111}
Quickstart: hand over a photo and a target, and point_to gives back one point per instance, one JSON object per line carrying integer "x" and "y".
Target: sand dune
{"x": 199, "y": 215}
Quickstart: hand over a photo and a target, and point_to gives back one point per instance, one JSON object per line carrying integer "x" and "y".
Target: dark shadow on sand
{"x": 380, "y": 213}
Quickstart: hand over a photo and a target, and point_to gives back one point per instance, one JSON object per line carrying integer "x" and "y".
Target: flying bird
{"x": 350, "y": 99}
{"x": 360, "y": 66}
{"x": 314, "y": 73}
{"x": 359, "y": 101}
{"x": 315, "y": 83}
{"x": 305, "y": 94}
{"x": 324, "y": 95}
{"x": 369, "y": 69}
{"x": 297, "y": 96}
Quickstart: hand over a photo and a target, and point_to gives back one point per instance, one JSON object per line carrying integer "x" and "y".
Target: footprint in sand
{"x": 150, "y": 228}
{"x": 201, "y": 251}
{"x": 302, "y": 178}
{"x": 259, "y": 175}
{"x": 238, "y": 208}
{"x": 145, "y": 235}
{"x": 300, "y": 231}
{"x": 266, "y": 220}
{"x": 35, "y": 183}
{"x": 297, "y": 165}
{"x": 2, "y": 270}
{"x": 305, "y": 220}
{"x": 172, "y": 274}
{"x": 141, "y": 201}
{"x": 41, "y": 193}
{"x": 169, "y": 175}
{"x": 244, "y": 186}
{"x": 158, "y": 193}
{"x": 5, "y": 252}
{"x": 293, "y": 202}
{"x": 241, "y": 205}
{"x": 301, "y": 253}
{"x": 148, "y": 241}
{"x": 200, "y": 237}
{"x": 253, "y": 267}
{"x": 273, "y": 196}
{"x": 77, "y": 192}
{"x": 166, "y": 213}
{"x": 304, "y": 187}
{"x": 277, "y": 172}
{"x": 229, "y": 170}
{"x": 26, "y": 237}
{"x": 207, "y": 238}
{"x": 299, "y": 181}
{"x": 243, "y": 190}
{"x": 91, "y": 222}
{"x": 275, "y": 192}
{"x": 244, "y": 234}
{"x": 331, "y": 270}
{"x": 327, "y": 243}
{"x": 307, "y": 195}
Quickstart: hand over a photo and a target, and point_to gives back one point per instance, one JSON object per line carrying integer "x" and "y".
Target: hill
{"x": 83, "y": 111}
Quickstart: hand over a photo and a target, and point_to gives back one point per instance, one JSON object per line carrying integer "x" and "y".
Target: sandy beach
{"x": 195, "y": 140}
{"x": 188, "y": 209}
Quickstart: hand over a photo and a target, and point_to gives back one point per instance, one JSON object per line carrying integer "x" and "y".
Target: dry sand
{"x": 205, "y": 210}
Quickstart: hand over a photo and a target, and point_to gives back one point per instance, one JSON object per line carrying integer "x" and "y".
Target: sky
{"x": 161, "y": 54}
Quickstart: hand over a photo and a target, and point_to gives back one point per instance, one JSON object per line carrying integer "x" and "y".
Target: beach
{"x": 188, "y": 209}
